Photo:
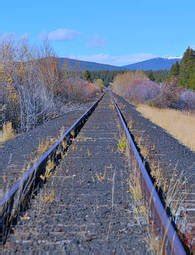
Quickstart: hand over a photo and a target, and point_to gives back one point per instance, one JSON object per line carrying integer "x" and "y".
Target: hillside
{"x": 151, "y": 64}
{"x": 79, "y": 65}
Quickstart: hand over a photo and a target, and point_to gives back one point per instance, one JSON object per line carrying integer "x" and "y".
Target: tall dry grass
{"x": 180, "y": 125}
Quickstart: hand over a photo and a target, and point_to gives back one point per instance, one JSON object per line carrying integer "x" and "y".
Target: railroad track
{"x": 102, "y": 182}
{"x": 158, "y": 215}
{"x": 17, "y": 198}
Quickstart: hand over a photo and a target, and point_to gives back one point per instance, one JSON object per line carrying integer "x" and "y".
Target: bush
{"x": 28, "y": 76}
{"x": 144, "y": 92}
{"x": 99, "y": 84}
{"x": 31, "y": 84}
{"x": 135, "y": 86}
{"x": 78, "y": 89}
{"x": 168, "y": 96}
{"x": 187, "y": 100}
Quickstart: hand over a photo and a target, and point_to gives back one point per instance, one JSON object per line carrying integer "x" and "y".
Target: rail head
{"x": 172, "y": 237}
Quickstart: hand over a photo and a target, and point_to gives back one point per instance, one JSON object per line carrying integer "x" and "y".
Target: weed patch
{"x": 122, "y": 144}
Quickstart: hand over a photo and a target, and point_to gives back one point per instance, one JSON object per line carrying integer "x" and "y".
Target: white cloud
{"x": 60, "y": 34}
{"x": 96, "y": 42}
{"x": 118, "y": 60}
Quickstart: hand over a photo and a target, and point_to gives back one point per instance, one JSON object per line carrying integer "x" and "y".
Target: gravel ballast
{"x": 90, "y": 209}
{"x": 15, "y": 154}
{"x": 173, "y": 158}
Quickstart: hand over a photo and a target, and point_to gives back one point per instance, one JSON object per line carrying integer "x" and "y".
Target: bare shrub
{"x": 32, "y": 87}
{"x": 144, "y": 92}
{"x": 187, "y": 100}
{"x": 135, "y": 86}
{"x": 11, "y": 107}
{"x": 30, "y": 83}
{"x": 99, "y": 84}
{"x": 168, "y": 96}
{"x": 79, "y": 89}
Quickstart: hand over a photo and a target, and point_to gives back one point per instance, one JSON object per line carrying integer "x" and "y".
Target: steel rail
{"x": 17, "y": 197}
{"x": 172, "y": 244}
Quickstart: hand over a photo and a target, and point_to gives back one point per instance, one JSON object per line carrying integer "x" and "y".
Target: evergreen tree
{"x": 87, "y": 75}
{"x": 175, "y": 69}
{"x": 187, "y": 69}
{"x": 151, "y": 76}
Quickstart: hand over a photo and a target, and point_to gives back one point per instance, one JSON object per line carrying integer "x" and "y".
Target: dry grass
{"x": 174, "y": 189}
{"x": 7, "y": 132}
{"x": 111, "y": 106}
{"x": 122, "y": 144}
{"x": 48, "y": 197}
{"x": 142, "y": 215}
{"x": 141, "y": 208}
{"x": 44, "y": 145}
{"x": 174, "y": 185}
{"x": 178, "y": 124}
{"x": 89, "y": 154}
{"x": 100, "y": 177}
{"x": 49, "y": 168}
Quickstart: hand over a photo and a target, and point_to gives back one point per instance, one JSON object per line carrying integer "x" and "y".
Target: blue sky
{"x": 107, "y": 31}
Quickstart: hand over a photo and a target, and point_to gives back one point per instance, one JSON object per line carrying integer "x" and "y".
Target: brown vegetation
{"x": 135, "y": 87}
{"x": 32, "y": 85}
{"x": 168, "y": 95}
{"x": 122, "y": 144}
{"x": 7, "y": 132}
{"x": 174, "y": 196}
{"x": 77, "y": 89}
{"x": 178, "y": 124}
{"x": 27, "y": 82}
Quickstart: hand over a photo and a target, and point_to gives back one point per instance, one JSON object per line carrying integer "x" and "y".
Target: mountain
{"x": 151, "y": 64}
{"x": 80, "y": 65}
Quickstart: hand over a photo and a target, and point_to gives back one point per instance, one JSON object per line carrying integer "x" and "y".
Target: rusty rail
{"x": 17, "y": 198}
{"x": 163, "y": 225}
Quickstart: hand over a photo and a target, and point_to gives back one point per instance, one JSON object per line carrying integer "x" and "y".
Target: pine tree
{"x": 151, "y": 76}
{"x": 87, "y": 75}
{"x": 175, "y": 69}
{"x": 187, "y": 69}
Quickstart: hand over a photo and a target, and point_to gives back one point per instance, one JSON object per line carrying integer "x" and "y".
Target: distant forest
{"x": 182, "y": 71}
{"x": 108, "y": 76}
